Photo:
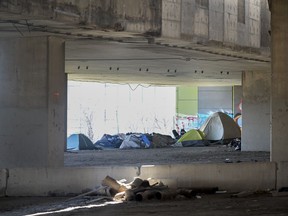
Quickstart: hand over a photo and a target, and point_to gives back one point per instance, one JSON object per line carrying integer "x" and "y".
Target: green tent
{"x": 192, "y": 138}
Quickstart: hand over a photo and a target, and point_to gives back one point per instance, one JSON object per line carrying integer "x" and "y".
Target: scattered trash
{"x": 236, "y": 143}
{"x": 227, "y": 160}
{"x": 141, "y": 190}
{"x": 243, "y": 194}
{"x": 160, "y": 140}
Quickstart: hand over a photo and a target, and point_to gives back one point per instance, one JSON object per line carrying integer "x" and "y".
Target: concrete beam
{"x": 231, "y": 177}
{"x": 62, "y": 181}
{"x": 69, "y": 181}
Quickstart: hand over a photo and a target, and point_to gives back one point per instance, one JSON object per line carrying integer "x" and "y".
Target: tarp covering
{"x": 220, "y": 126}
{"x": 109, "y": 141}
{"x": 135, "y": 141}
{"x": 79, "y": 142}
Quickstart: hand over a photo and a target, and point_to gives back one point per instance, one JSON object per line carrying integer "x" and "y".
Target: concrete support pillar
{"x": 279, "y": 91}
{"x": 256, "y": 111}
{"x": 33, "y": 105}
{"x": 237, "y": 99}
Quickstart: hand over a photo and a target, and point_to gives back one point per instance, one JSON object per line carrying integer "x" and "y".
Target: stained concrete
{"x": 129, "y": 15}
{"x": 282, "y": 175}
{"x": 279, "y": 87}
{"x": 32, "y": 102}
{"x": 256, "y": 111}
{"x": 231, "y": 177}
{"x": 217, "y": 21}
{"x": 62, "y": 181}
{"x": 3, "y": 181}
{"x": 68, "y": 181}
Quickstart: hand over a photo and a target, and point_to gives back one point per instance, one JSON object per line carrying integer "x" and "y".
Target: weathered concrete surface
{"x": 279, "y": 92}
{"x": 232, "y": 177}
{"x": 132, "y": 15}
{"x": 57, "y": 102}
{"x": 265, "y": 16}
{"x": 171, "y": 18}
{"x": 256, "y": 111}
{"x": 282, "y": 175}
{"x": 62, "y": 181}
{"x": 65, "y": 181}
{"x": 223, "y": 22}
{"x": 29, "y": 113}
{"x": 3, "y": 181}
{"x": 216, "y": 17}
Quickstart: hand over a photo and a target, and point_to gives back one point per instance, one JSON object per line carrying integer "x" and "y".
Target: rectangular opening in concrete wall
{"x": 112, "y": 114}
{"x": 96, "y": 109}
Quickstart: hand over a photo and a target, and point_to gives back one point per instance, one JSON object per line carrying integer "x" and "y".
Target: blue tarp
{"x": 109, "y": 141}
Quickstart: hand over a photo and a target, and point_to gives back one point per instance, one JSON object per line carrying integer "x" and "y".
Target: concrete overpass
{"x": 34, "y": 69}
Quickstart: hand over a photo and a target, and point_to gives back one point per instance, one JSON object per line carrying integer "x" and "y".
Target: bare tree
{"x": 89, "y": 123}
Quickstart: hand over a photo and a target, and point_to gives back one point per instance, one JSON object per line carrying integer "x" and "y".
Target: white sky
{"x": 114, "y": 108}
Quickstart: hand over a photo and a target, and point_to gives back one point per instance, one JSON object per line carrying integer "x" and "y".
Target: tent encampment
{"x": 79, "y": 142}
{"x": 220, "y": 126}
{"x": 192, "y": 137}
{"x": 109, "y": 141}
{"x": 135, "y": 140}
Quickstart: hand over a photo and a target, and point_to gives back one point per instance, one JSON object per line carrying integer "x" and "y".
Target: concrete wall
{"x": 171, "y": 18}
{"x": 3, "y": 182}
{"x": 279, "y": 79}
{"x": 215, "y": 99}
{"x": 216, "y": 17}
{"x": 133, "y": 15}
{"x": 256, "y": 111}
{"x": 32, "y": 102}
{"x": 65, "y": 181}
{"x": 214, "y": 20}
{"x": 265, "y": 24}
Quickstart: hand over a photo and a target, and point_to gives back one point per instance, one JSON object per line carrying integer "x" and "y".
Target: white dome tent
{"x": 220, "y": 127}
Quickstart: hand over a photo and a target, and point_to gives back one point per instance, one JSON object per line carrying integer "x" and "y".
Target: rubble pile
{"x": 141, "y": 190}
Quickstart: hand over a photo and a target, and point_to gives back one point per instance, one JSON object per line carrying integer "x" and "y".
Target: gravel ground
{"x": 184, "y": 155}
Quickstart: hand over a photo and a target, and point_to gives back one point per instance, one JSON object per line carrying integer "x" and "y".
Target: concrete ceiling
{"x": 123, "y": 57}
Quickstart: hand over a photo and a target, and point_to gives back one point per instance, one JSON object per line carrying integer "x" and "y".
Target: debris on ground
{"x": 250, "y": 193}
{"x": 141, "y": 190}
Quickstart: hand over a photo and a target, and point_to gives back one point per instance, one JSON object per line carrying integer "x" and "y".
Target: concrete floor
{"x": 160, "y": 156}
{"x": 217, "y": 204}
